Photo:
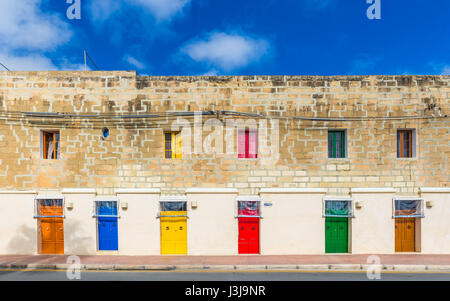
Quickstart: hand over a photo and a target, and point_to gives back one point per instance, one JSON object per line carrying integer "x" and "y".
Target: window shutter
{"x": 241, "y": 143}
{"x": 178, "y": 145}
{"x": 253, "y": 144}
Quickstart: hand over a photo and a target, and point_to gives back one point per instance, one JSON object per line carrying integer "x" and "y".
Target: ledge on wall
{"x": 373, "y": 190}
{"x": 292, "y": 190}
{"x": 434, "y": 189}
{"x": 211, "y": 190}
{"x": 79, "y": 191}
{"x": 18, "y": 192}
{"x": 138, "y": 191}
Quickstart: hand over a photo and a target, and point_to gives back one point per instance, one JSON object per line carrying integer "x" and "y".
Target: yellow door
{"x": 173, "y": 233}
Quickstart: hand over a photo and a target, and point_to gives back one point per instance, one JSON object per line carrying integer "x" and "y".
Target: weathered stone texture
{"x": 133, "y": 154}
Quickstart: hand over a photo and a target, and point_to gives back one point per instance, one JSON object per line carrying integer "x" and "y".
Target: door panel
{"x": 107, "y": 226}
{"x": 248, "y": 235}
{"x": 405, "y": 231}
{"x": 173, "y": 233}
{"x": 51, "y": 228}
{"x": 107, "y": 234}
{"x": 336, "y": 235}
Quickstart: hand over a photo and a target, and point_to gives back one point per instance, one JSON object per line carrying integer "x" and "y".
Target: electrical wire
{"x": 4, "y": 66}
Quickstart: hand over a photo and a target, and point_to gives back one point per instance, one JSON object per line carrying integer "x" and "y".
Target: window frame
{"x": 351, "y": 213}
{"x": 173, "y": 145}
{"x": 400, "y": 146}
{"x": 421, "y": 212}
{"x": 248, "y": 199}
{"x": 172, "y": 199}
{"x": 39, "y": 198}
{"x": 247, "y": 142}
{"x": 95, "y": 207}
{"x": 44, "y": 149}
{"x": 344, "y": 143}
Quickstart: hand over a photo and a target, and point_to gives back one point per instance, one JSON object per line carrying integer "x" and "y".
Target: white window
{"x": 173, "y": 206}
{"x": 106, "y": 207}
{"x": 49, "y": 206}
{"x": 408, "y": 207}
{"x": 249, "y": 206}
{"x": 338, "y": 207}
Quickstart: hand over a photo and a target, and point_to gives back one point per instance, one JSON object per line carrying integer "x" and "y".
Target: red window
{"x": 248, "y": 143}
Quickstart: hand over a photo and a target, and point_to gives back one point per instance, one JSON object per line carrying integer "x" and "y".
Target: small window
{"x": 338, "y": 208}
{"x": 408, "y": 208}
{"x": 405, "y": 143}
{"x": 248, "y": 143}
{"x": 248, "y": 208}
{"x": 49, "y": 208}
{"x": 174, "y": 206}
{"x": 336, "y": 144}
{"x": 50, "y": 144}
{"x": 172, "y": 145}
{"x": 106, "y": 208}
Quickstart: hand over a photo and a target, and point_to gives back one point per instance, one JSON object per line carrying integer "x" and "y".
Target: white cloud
{"x": 26, "y": 33}
{"x": 32, "y": 62}
{"x": 134, "y": 62}
{"x": 162, "y": 10}
{"x": 226, "y": 51}
{"x": 23, "y": 25}
{"x": 101, "y": 10}
{"x": 446, "y": 70}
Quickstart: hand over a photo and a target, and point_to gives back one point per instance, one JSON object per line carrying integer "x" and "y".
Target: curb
{"x": 300, "y": 268}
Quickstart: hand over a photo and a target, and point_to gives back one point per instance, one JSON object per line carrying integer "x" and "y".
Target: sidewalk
{"x": 347, "y": 262}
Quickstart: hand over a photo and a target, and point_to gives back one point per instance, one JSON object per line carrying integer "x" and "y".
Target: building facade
{"x": 115, "y": 163}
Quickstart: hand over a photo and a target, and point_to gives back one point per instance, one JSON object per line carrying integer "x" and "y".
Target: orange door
{"x": 51, "y": 228}
{"x": 405, "y": 231}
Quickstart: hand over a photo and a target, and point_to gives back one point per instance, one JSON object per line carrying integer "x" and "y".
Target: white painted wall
{"x": 80, "y": 227}
{"x": 292, "y": 225}
{"x": 212, "y": 226}
{"x": 18, "y": 228}
{"x": 373, "y": 228}
{"x": 138, "y": 227}
{"x": 436, "y": 224}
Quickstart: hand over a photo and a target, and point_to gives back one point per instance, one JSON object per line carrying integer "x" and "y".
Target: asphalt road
{"x": 15, "y": 275}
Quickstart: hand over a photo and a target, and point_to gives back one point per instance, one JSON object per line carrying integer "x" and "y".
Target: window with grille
{"x": 172, "y": 145}
{"x": 336, "y": 144}
{"x": 405, "y": 143}
{"x": 338, "y": 208}
{"x": 248, "y": 143}
{"x": 408, "y": 208}
{"x": 50, "y": 144}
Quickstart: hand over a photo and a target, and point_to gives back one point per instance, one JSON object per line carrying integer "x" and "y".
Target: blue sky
{"x": 233, "y": 37}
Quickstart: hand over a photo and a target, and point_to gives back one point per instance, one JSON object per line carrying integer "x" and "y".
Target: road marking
{"x": 228, "y": 271}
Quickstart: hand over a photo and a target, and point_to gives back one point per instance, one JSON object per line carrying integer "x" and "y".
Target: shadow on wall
{"x": 75, "y": 242}
{"x": 24, "y": 243}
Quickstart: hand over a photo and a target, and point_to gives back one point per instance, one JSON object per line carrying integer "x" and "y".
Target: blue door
{"x": 107, "y": 226}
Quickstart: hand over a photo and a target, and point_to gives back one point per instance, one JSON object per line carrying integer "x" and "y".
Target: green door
{"x": 336, "y": 235}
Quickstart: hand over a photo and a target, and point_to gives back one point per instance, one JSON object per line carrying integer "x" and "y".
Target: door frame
{"x": 96, "y": 216}
{"x": 417, "y": 221}
{"x": 249, "y": 198}
{"x": 172, "y": 199}
{"x": 350, "y": 216}
{"x": 38, "y": 217}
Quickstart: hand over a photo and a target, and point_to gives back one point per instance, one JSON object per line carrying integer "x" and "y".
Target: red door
{"x": 248, "y": 235}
